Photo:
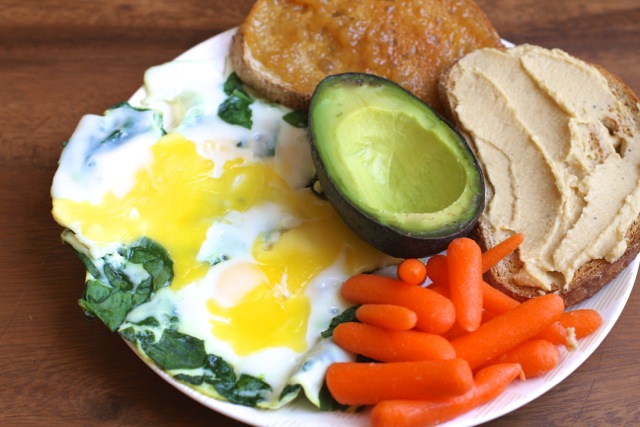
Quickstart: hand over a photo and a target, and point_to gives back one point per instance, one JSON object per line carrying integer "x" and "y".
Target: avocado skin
{"x": 390, "y": 240}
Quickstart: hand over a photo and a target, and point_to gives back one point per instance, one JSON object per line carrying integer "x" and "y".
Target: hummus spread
{"x": 561, "y": 163}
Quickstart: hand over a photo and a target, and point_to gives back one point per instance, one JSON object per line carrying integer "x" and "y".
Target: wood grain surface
{"x": 60, "y": 59}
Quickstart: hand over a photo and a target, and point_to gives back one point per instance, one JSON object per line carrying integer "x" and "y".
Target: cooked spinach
{"x": 154, "y": 259}
{"x": 297, "y": 119}
{"x": 234, "y": 84}
{"x": 175, "y": 350}
{"x": 235, "y": 108}
{"x": 178, "y": 351}
{"x": 290, "y": 389}
{"x": 112, "y": 304}
{"x": 328, "y": 403}
{"x": 111, "y": 291}
{"x": 121, "y": 122}
{"x": 247, "y": 391}
{"x": 349, "y": 315}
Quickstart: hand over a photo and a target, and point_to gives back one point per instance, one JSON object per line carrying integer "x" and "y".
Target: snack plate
{"x": 610, "y": 302}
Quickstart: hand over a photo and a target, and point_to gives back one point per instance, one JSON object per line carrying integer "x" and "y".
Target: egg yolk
{"x": 176, "y": 209}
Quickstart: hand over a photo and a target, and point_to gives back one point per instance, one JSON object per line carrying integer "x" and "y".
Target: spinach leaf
{"x": 349, "y": 315}
{"x": 235, "y": 109}
{"x": 135, "y": 336}
{"x": 234, "y": 84}
{"x": 297, "y": 119}
{"x": 110, "y": 293}
{"x": 290, "y": 389}
{"x": 246, "y": 390}
{"x": 328, "y": 403}
{"x": 190, "y": 379}
{"x": 88, "y": 264}
{"x": 218, "y": 370}
{"x": 110, "y": 304}
{"x": 154, "y": 259}
{"x": 176, "y": 350}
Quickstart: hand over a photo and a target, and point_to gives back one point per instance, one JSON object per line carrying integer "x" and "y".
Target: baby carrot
{"x": 493, "y": 256}
{"x": 555, "y": 334}
{"x": 353, "y": 383}
{"x": 537, "y": 357}
{"x": 571, "y": 326}
{"x": 437, "y": 268}
{"x": 584, "y": 321}
{"x": 391, "y": 346}
{"x": 412, "y": 271}
{"x": 504, "y": 332}
{"x": 496, "y": 301}
{"x": 440, "y": 287}
{"x": 456, "y": 330}
{"x": 488, "y": 384}
{"x": 435, "y": 313}
{"x": 464, "y": 263}
{"x": 492, "y": 299}
{"x": 389, "y": 316}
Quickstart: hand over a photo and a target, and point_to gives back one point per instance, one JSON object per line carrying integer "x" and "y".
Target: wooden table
{"x": 60, "y": 59}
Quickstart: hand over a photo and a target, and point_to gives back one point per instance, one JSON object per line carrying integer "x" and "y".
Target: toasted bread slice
{"x": 285, "y": 47}
{"x": 622, "y": 124}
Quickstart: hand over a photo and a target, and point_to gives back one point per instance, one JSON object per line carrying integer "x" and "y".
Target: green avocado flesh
{"x": 391, "y": 166}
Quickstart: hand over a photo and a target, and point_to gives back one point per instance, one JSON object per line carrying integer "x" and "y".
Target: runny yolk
{"x": 176, "y": 209}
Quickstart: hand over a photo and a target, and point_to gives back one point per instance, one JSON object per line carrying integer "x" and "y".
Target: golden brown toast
{"x": 594, "y": 274}
{"x": 285, "y": 47}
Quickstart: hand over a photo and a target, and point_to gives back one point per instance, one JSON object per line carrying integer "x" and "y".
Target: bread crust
{"x": 253, "y": 73}
{"x": 595, "y": 274}
{"x": 276, "y": 84}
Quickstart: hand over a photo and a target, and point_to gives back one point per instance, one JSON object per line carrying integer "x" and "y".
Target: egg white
{"x": 188, "y": 94}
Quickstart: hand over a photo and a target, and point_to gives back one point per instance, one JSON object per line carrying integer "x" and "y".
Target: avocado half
{"x": 398, "y": 174}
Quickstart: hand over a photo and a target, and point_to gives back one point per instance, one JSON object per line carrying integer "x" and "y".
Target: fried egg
{"x": 229, "y": 262}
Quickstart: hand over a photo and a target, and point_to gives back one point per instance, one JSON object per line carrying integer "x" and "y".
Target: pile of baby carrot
{"x": 443, "y": 349}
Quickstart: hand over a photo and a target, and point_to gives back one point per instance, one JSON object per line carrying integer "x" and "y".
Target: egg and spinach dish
{"x": 205, "y": 246}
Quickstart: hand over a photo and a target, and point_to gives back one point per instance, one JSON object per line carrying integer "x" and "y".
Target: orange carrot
{"x": 555, "y": 334}
{"x": 456, "y": 330}
{"x": 487, "y": 315}
{"x": 572, "y": 325}
{"x": 492, "y": 299}
{"x": 507, "y": 330}
{"x": 385, "y": 345}
{"x": 437, "y": 268}
{"x": 389, "y": 316}
{"x": 493, "y": 256}
{"x": 496, "y": 301}
{"x": 537, "y": 357}
{"x": 489, "y": 383}
{"x": 584, "y": 321}
{"x": 435, "y": 312}
{"x": 353, "y": 383}
{"x": 440, "y": 287}
{"x": 464, "y": 263}
{"x": 412, "y": 271}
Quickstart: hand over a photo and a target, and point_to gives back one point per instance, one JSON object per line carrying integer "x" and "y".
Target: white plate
{"x": 609, "y": 302}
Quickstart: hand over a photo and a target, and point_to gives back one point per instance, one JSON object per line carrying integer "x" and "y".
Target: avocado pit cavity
{"x": 397, "y": 173}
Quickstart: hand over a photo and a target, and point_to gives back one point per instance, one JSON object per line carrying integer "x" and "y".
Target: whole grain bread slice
{"x": 595, "y": 274}
{"x": 266, "y": 81}
{"x": 284, "y": 47}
